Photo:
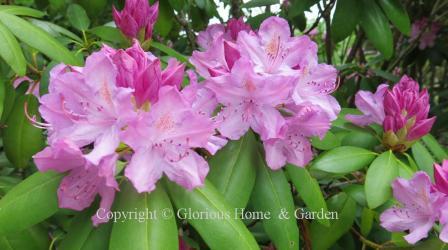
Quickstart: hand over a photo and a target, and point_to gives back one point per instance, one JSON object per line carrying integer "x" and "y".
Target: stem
{"x": 366, "y": 241}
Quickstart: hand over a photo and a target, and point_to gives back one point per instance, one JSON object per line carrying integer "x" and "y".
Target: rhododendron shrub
{"x": 144, "y": 124}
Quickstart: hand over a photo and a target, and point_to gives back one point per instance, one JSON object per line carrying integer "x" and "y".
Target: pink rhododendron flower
{"x": 402, "y": 111}
{"x": 33, "y": 86}
{"x": 371, "y": 105}
{"x": 86, "y": 106}
{"x": 419, "y": 210}
{"x": 441, "y": 177}
{"x": 85, "y": 180}
{"x": 294, "y": 146}
{"x": 137, "y": 18}
{"x": 250, "y": 101}
{"x": 427, "y": 32}
{"x": 162, "y": 140}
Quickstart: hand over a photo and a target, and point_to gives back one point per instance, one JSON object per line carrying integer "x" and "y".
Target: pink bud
{"x": 137, "y": 16}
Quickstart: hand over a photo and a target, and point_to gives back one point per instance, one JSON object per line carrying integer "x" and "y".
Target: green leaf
{"x": 423, "y": 158}
{"x": 397, "y": 14}
{"x": 367, "y": 217}
{"x": 178, "y": 5}
{"x": 7, "y": 183}
{"x": 155, "y": 229}
{"x": 233, "y": 170}
{"x": 299, "y": 6}
{"x": 255, "y": 21}
{"x": 376, "y": 27}
{"x": 360, "y": 139}
{"x": 108, "y": 33}
{"x": 272, "y": 194}
{"x": 381, "y": 173}
{"x": 82, "y": 235}
{"x": 165, "y": 19}
{"x": 21, "y": 11}
{"x": 342, "y": 160}
{"x": 30, "y": 202}
{"x": 357, "y": 193}
{"x": 345, "y": 19}
{"x": 227, "y": 232}
{"x": 330, "y": 141}
{"x": 2, "y": 96}
{"x": 11, "y": 52}
{"x": 309, "y": 190}
{"x": 169, "y": 51}
{"x": 434, "y": 147}
{"x": 21, "y": 139}
{"x": 8, "y": 102}
{"x": 259, "y": 3}
{"x": 39, "y": 39}
{"x": 53, "y": 28}
{"x": 323, "y": 237}
{"x": 35, "y": 238}
{"x": 77, "y": 17}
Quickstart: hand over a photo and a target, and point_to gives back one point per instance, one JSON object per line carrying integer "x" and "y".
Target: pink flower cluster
{"x": 402, "y": 111}
{"x": 137, "y": 18}
{"x": 426, "y": 32}
{"x": 422, "y": 204}
{"x": 270, "y": 82}
{"x": 122, "y": 105}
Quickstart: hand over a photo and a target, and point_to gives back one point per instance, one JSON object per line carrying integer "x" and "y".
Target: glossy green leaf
{"x": 434, "y": 147}
{"x": 360, "y": 139}
{"x": 272, "y": 194}
{"x": 154, "y": 226}
{"x": 21, "y": 11}
{"x": 342, "y": 160}
{"x": 227, "y": 232}
{"x": 330, "y": 141}
{"x": 309, "y": 190}
{"x": 53, "y": 28}
{"x": 404, "y": 171}
{"x": 259, "y": 3}
{"x": 367, "y": 218}
{"x": 357, "y": 193}
{"x": 165, "y": 19}
{"x": 345, "y": 19}
{"x": 34, "y": 238}
{"x": 233, "y": 170}
{"x": 169, "y": 51}
{"x": 376, "y": 27}
{"x": 381, "y": 173}
{"x": 177, "y": 4}
{"x": 2, "y": 96}
{"x": 8, "y": 101}
{"x": 39, "y": 40}
{"x": 397, "y": 14}
{"x": 30, "y": 202}
{"x": 107, "y": 33}
{"x": 82, "y": 235}
{"x": 323, "y": 237}
{"x": 77, "y": 17}
{"x": 21, "y": 139}
{"x": 423, "y": 158}
{"x": 11, "y": 52}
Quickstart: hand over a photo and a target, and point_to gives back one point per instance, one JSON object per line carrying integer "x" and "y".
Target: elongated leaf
{"x": 226, "y": 232}
{"x": 53, "y": 28}
{"x": 165, "y": 19}
{"x": 423, "y": 158}
{"x": 11, "y": 52}
{"x": 21, "y": 11}
{"x": 8, "y": 102}
{"x": 367, "y": 217}
{"x": 309, "y": 190}
{"x": 233, "y": 170}
{"x": 259, "y": 3}
{"x": 345, "y": 19}
{"x": 343, "y": 160}
{"x": 82, "y": 235}
{"x": 154, "y": 229}
{"x": 39, "y": 39}
{"x": 360, "y": 139}
{"x": 397, "y": 14}
{"x": 35, "y": 238}
{"x": 376, "y": 27}
{"x": 323, "y": 237}
{"x": 169, "y": 51}
{"x": 21, "y": 139}
{"x": 330, "y": 141}
{"x": 77, "y": 17}
{"x": 381, "y": 173}
{"x": 272, "y": 193}
{"x": 109, "y": 34}
{"x": 434, "y": 147}
{"x": 30, "y": 202}
{"x": 357, "y": 193}
{"x": 2, "y": 96}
